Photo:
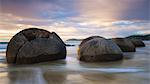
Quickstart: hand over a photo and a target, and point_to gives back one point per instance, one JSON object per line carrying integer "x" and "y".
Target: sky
{"x": 75, "y": 18}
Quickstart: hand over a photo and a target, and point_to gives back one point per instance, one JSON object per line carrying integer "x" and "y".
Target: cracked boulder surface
{"x": 98, "y": 49}
{"x": 35, "y": 45}
{"x": 125, "y": 44}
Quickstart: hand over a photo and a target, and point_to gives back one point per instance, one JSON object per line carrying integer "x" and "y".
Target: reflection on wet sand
{"x": 125, "y": 78}
{"x": 95, "y": 78}
{"x": 55, "y": 77}
{"x": 76, "y": 78}
{"x": 25, "y": 76}
{"x": 134, "y": 69}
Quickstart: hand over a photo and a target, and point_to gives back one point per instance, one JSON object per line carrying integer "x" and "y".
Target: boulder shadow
{"x": 128, "y": 55}
{"x": 101, "y": 64}
{"x": 55, "y": 77}
{"x": 25, "y": 76}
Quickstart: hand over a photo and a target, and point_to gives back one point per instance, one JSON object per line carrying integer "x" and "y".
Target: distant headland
{"x": 141, "y": 37}
{"x": 74, "y": 39}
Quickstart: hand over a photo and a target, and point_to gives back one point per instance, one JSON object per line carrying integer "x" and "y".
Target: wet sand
{"x": 134, "y": 69}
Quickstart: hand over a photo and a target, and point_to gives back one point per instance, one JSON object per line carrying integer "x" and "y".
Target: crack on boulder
{"x": 27, "y": 36}
{"x": 15, "y": 60}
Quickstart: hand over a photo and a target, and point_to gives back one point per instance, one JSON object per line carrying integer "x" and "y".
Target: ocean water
{"x": 134, "y": 69}
{"x": 3, "y": 47}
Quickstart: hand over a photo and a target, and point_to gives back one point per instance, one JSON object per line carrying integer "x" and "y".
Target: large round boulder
{"x": 99, "y": 50}
{"x": 35, "y": 45}
{"x": 137, "y": 42}
{"x": 125, "y": 44}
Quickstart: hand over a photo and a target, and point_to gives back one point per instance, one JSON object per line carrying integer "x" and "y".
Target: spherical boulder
{"x": 99, "y": 50}
{"x": 137, "y": 42}
{"x": 35, "y": 45}
{"x": 125, "y": 44}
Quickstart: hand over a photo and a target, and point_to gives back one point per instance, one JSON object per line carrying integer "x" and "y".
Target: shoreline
{"x": 134, "y": 69}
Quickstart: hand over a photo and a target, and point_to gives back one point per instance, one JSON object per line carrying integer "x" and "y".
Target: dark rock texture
{"x": 89, "y": 38}
{"x": 35, "y": 45}
{"x": 99, "y": 49}
{"x": 69, "y": 45}
{"x": 125, "y": 44}
{"x": 137, "y": 42}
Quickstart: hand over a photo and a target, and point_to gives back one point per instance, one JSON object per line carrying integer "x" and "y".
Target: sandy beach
{"x": 74, "y": 42}
{"x": 134, "y": 69}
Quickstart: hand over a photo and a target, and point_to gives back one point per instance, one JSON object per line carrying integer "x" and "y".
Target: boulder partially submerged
{"x": 137, "y": 42}
{"x": 35, "y": 45}
{"x": 99, "y": 50}
{"x": 125, "y": 44}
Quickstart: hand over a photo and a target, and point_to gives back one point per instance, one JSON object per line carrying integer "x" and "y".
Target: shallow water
{"x": 134, "y": 69}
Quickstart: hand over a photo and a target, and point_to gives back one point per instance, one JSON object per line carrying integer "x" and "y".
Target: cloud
{"x": 97, "y": 9}
{"x": 136, "y": 10}
{"x": 41, "y": 9}
{"x": 115, "y": 9}
{"x": 75, "y": 18}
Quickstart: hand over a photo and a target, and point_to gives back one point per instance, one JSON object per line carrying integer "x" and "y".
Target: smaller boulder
{"x": 98, "y": 49}
{"x": 125, "y": 44}
{"x": 137, "y": 42}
